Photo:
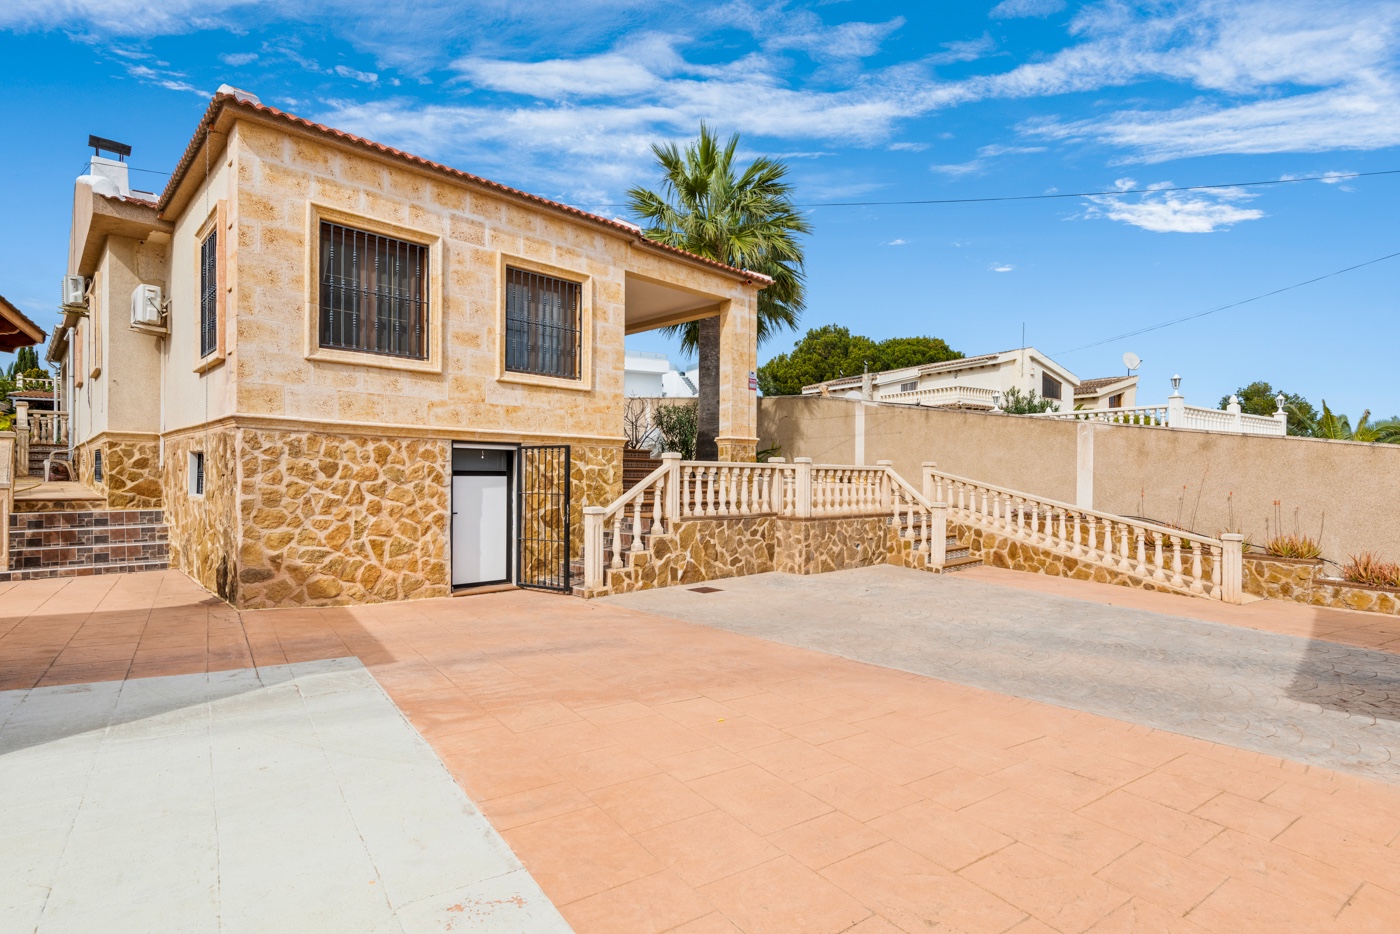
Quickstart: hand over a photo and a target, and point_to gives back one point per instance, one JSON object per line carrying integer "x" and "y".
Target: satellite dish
{"x": 1131, "y": 360}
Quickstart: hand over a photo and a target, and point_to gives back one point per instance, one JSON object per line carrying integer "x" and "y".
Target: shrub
{"x": 1366, "y": 568}
{"x": 677, "y": 425}
{"x": 1293, "y": 544}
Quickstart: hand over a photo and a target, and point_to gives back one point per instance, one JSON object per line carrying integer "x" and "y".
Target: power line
{"x": 1340, "y": 176}
{"x": 1245, "y": 301}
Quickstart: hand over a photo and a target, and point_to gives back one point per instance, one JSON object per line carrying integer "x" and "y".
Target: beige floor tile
{"x": 783, "y": 896}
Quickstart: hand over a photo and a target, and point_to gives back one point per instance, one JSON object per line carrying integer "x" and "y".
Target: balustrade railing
{"x": 690, "y": 490}
{"x": 1179, "y": 416}
{"x": 48, "y": 427}
{"x": 1183, "y": 561}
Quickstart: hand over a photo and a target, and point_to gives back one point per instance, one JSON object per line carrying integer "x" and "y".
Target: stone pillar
{"x": 1084, "y": 466}
{"x": 927, "y": 469}
{"x": 886, "y": 500}
{"x": 593, "y": 546}
{"x": 938, "y": 536}
{"x": 7, "y": 459}
{"x": 803, "y": 504}
{"x": 1232, "y": 568}
{"x": 1176, "y": 410}
{"x": 737, "y": 440}
{"x": 1236, "y": 418}
{"x": 21, "y": 439}
{"x": 672, "y": 507}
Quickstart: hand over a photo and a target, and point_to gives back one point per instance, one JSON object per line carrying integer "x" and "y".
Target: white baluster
{"x": 1196, "y": 586}
{"x": 1061, "y": 542}
{"x": 1124, "y": 559}
{"x": 925, "y": 548}
{"x": 1141, "y": 569}
{"x": 1158, "y": 574}
{"x": 685, "y": 492}
{"x": 638, "y": 524}
{"x": 713, "y": 476}
{"x": 617, "y": 540}
{"x": 1215, "y": 563}
{"x": 1107, "y": 557}
{"x": 658, "y": 526}
{"x": 1076, "y": 549}
{"x": 1177, "y": 579}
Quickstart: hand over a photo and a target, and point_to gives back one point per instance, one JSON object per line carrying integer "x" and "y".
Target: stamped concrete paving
{"x": 655, "y": 775}
{"x": 287, "y": 798}
{"x": 1313, "y": 701}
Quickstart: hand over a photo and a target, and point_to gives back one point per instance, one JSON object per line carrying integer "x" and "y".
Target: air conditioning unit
{"x": 145, "y": 308}
{"x": 74, "y": 288}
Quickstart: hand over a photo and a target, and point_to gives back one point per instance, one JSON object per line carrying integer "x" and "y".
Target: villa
{"x": 348, "y": 374}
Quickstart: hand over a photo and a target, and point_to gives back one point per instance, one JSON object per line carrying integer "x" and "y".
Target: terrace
{"x": 877, "y": 749}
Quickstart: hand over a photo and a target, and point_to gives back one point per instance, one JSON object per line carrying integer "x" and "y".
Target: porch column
{"x": 738, "y": 359}
{"x": 21, "y": 439}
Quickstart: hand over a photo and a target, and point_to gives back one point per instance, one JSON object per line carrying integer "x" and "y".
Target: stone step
{"x": 77, "y": 543}
{"x": 953, "y": 565}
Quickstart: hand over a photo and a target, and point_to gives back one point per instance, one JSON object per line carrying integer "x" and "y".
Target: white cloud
{"x": 907, "y": 147}
{"x": 1001, "y": 267}
{"x": 238, "y": 58}
{"x": 984, "y": 155}
{"x": 1014, "y": 9}
{"x": 779, "y": 28}
{"x": 1174, "y": 212}
{"x": 895, "y": 242}
{"x": 366, "y": 77}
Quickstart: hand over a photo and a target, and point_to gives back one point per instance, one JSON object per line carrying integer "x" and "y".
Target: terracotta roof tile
{"x": 1089, "y": 387}
{"x": 220, "y": 101}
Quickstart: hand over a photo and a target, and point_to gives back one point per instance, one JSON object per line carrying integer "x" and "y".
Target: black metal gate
{"x": 544, "y": 518}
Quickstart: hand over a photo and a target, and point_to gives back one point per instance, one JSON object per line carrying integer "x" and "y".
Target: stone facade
{"x": 698, "y": 550}
{"x": 326, "y": 520}
{"x": 204, "y": 529}
{"x": 816, "y": 546}
{"x": 131, "y": 475}
{"x": 595, "y": 479}
{"x": 1002, "y": 552}
{"x": 1303, "y": 582}
{"x": 736, "y": 452}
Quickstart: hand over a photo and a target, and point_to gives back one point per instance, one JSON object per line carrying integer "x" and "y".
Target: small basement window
{"x": 1049, "y": 387}
{"x": 196, "y": 473}
{"x": 97, "y": 465}
{"x": 910, "y": 386}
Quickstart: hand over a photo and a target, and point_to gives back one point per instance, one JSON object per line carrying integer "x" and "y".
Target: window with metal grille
{"x": 1049, "y": 387}
{"x": 196, "y": 473}
{"x": 209, "y": 294}
{"x": 910, "y": 386}
{"x": 374, "y": 293}
{"x": 97, "y": 465}
{"x": 542, "y": 324}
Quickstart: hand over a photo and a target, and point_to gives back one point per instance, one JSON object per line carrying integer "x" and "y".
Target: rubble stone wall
{"x": 1303, "y": 582}
{"x": 131, "y": 472}
{"x": 204, "y": 529}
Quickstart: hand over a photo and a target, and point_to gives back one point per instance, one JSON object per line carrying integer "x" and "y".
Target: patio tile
{"x": 1173, "y": 830}
{"x": 707, "y": 847}
{"x": 1175, "y": 883}
{"x": 689, "y": 765}
{"x": 598, "y": 768}
{"x": 1141, "y": 917}
{"x": 896, "y": 762}
{"x": 1172, "y": 790}
{"x": 861, "y": 794}
{"x": 824, "y": 840}
{"x": 759, "y": 800}
{"x": 794, "y": 760}
{"x": 782, "y": 896}
{"x": 658, "y": 902}
{"x": 1237, "y": 907}
{"x": 644, "y": 803}
{"x": 950, "y": 839}
{"x": 1246, "y": 815}
{"x": 1279, "y": 870}
{"x": 918, "y": 895}
{"x": 1054, "y": 831}
{"x": 534, "y": 804}
{"x": 579, "y": 854}
{"x": 1062, "y": 896}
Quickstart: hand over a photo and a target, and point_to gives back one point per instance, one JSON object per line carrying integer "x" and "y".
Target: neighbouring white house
{"x": 649, "y": 375}
{"x": 1106, "y": 392}
{"x": 980, "y": 382}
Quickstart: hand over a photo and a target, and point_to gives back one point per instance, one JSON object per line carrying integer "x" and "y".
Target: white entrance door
{"x": 480, "y": 534}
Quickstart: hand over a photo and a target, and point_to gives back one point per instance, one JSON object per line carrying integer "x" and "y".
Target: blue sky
{"x": 868, "y": 102}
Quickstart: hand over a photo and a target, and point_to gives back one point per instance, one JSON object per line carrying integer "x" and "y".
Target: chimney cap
{"x": 238, "y": 94}
{"x": 99, "y": 145}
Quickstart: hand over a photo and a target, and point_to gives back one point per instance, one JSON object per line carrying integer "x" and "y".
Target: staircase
{"x": 38, "y": 453}
{"x": 84, "y": 542}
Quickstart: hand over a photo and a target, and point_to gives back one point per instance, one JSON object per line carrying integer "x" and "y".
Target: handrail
{"x": 1062, "y": 527}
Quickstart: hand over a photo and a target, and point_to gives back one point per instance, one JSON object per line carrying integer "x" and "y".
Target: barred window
{"x": 1049, "y": 387}
{"x": 374, "y": 293}
{"x": 542, "y": 324}
{"x": 209, "y": 294}
{"x": 909, "y": 386}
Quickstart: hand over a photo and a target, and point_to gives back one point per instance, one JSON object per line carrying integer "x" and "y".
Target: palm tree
{"x": 1336, "y": 427}
{"x": 745, "y": 219}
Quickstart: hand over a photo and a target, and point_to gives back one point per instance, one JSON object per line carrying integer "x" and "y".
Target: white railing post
{"x": 927, "y": 468}
{"x": 1176, "y": 410}
{"x": 7, "y": 483}
{"x": 938, "y": 535}
{"x": 1232, "y": 567}
{"x": 21, "y": 453}
{"x": 593, "y": 545}
{"x": 803, "y": 491}
{"x": 672, "y": 462}
{"x": 1236, "y": 417}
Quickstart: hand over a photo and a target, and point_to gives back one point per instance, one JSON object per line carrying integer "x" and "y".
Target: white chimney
{"x": 112, "y": 170}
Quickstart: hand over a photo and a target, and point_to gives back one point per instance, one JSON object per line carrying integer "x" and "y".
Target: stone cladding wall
{"x": 816, "y": 546}
{"x": 595, "y": 479}
{"x": 1303, "y": 582}
{"x": 328, "y": 520}
{"x": 737, "y": 452}
{"x": 699, "y": 550}
{"x": 131, "y": 474}
{"x": 1002, "y": 552}
{"x": 204, "y": 529}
